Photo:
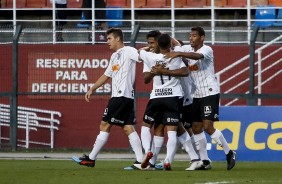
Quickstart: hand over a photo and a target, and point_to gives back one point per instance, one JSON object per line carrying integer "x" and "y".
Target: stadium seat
{"x": 218, "y": 3}
{"x": 236, "y": 3}
{"x": 122, "y": 3}
{"x": 265, "y": 14}
{"x": 114, "y": 15}
{"x": 259, "y": 2}
{"x": 19, "y": 3}
{"x": 275, "y": 2}
{"x": 137, "y": 3}
{"x": 177, "y": 3}
{"x": 36, "y": 3}
{"x": 155, "y": 4}
{"x": 279, "y": 16}
{"x": 195, "y": 3}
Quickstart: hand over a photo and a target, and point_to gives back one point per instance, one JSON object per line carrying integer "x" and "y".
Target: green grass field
{"x": 68, "y": 172}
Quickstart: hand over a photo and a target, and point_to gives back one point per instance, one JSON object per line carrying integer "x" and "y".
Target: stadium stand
{"x": 155, "y": 4}
{"x": 19, "y": 4}
{"x": 259, "y": 2}
{"x": 116, "y": 15}
{"x": 279, "y": 17}
{"x": 195, "y": 3}
{"x": 137, "y": 3}
{"x": 122, "y": 3}
{"x": 36, "y": 3}
{"x": 177, "y": 4}
{"x": 236, "y": 3}
{"x": 267, "y": 13}
{"x": 218, "y": 3}
{"x": 275, "y": 2}
{"x": 71, "y": 3}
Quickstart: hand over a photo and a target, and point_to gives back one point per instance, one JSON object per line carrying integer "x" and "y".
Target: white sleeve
{"x": 206, "y": 52}
{"x": 109, "y": 71}
{"x": 133, "y": 54}
{"x": 145, "y": 56}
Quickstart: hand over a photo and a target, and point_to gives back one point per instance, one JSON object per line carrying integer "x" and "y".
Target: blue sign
{"x": 254, "y": 132}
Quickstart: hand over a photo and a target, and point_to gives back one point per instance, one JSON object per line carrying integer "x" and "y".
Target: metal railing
{"x": 169, "y": 22}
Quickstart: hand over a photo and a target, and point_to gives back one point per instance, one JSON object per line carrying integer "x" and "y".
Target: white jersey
{"x": 202, "y": 72}
{"x": 163, "y": 85}
{"x": 187, "y": 85}
{"x": 122, "y": 70}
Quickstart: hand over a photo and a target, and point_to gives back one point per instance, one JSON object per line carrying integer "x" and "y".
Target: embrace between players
{"x": 184, "y": 98}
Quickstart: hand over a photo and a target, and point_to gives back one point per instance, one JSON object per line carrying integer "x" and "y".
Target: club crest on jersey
{"x": 115, "y": 67}
{"x": 207, "y": 109}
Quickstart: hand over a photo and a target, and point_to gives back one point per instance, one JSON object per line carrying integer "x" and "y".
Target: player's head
{"x": 114, "y": 38}
{"x": 197, "y": 37}
{"x": 164, "y": 42}
{"x": 152, "y": 39}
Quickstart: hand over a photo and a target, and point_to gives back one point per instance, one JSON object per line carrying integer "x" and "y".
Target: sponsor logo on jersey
{"x": 163, "y": 92}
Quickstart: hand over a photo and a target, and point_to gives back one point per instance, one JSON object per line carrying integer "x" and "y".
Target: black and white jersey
{"x": 122, "y": 70}
{"x": 202, "y": 72}
{"x": 163, "y": 85}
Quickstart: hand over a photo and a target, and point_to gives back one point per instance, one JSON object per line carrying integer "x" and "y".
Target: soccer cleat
{"x": 150, "y": 167}
{"x": 206, "y": 165}
{"x": 231, "y": 159}
{"x": 195, "y": 164}
{"x": 145, "y": 162}
{"x": 160, "y": 166}
{"x": 135, "y": 166}
{"x": 84, "y": 160}
{"x": 167, "y": 166}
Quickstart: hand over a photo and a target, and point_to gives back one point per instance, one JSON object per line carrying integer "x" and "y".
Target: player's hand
{"x": 87, "y": 95}
{"x": 158, "y": 69}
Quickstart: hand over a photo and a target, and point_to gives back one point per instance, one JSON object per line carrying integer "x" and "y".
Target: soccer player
{"x": 206, "y": 93}
{"x": 120, "y": 109}
{"x": 164, "y": 98}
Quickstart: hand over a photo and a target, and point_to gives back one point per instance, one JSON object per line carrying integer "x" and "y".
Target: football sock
{"x": 101, "y": 140}
{"x": 158, "y": 143}
{"x": 146, "y": 138}
{"x": 220, "y": 140}
{"x": 171, "y": 145}
{"x": 185, "y": 140}
{"x": 201, "y": 145}
{"x": 135, "y": 143}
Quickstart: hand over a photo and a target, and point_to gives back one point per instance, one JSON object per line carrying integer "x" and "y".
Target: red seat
{"x": 218, "y": 3}
{"x": 177, "y": 3}
{"x": 122, "y": 3}
{"x": 258, "y": 3}
{"x": 195, "y": 3}
{"x": 275, "y": 2}
{"x": 19, "y": 3}
{"x": 36, "y": 3}
{"x": 236, "y": 3}
{"x": 155, "y": 4}
{"x": 137, "y": 3}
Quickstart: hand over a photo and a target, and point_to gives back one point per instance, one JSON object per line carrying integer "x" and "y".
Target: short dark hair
{"x": 155, "y": 34}
{"x": 200, "y": 30}
{"x": 116, "y": 33}
{"x": 164, "y": 41}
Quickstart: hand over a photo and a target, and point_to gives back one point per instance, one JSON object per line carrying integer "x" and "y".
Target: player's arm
{"x": 148, "y": 77}
{"x": 189, "y": 55}
{"x": 96, "y": 85}
{"x": 161, "y": 70}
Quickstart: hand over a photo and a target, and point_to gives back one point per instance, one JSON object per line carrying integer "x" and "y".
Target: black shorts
{"x": 186, "y": 116}
{"x": 162, "y": 111}
{"x": 206, "y": 108}
{"x": 120, "y": 111}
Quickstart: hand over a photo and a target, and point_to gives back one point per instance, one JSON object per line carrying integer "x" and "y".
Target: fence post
{"x": 14, "y": 96}
{"x": 251, "y": 101}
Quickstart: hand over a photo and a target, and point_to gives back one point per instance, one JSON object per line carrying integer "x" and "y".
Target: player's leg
{"x": 158, "y": 141}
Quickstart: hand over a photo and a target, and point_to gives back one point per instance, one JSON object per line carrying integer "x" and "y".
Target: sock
{"x": 220, "y": 140}
{"x": 158, "y": 143}
{"x": 101, "y": 140}
{"x": 185, "y": 140}
{"x": 201, "y": 145}
{"x": 146, "y": 138}
{"x": 194, "y": 145}
{"x": 171, "y": 145}
{"x": 135, "y": 143}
